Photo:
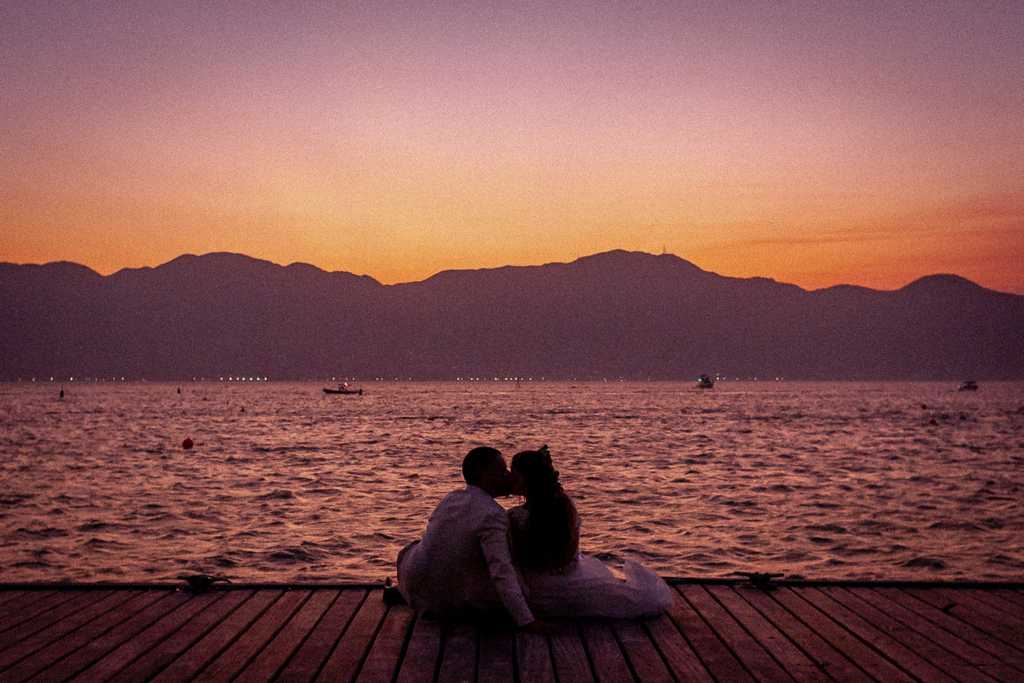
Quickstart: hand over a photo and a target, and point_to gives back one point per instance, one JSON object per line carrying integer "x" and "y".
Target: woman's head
{"x": 550, "y": 539}
{"x": 534, "y": 476}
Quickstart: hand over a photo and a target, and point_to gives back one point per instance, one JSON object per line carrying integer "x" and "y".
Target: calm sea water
{"x": 816, "y": 480}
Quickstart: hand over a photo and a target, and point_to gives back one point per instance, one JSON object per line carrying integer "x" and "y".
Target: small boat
{"x": 969, "y": 385}
{"x": 705, "y": 382}
{"x": 343, "y": 389}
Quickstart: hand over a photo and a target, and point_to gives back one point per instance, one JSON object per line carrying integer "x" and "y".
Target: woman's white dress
{"x": 587, "y": 588}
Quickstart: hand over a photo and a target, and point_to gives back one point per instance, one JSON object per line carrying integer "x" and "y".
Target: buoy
{"x": 187, "y": 443}
{"x": 179, "y": 390}
{"x": 924, "y": 406}
{"x": 62, "y": 393}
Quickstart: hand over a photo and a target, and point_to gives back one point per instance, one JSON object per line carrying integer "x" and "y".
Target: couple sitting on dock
{"x": 477, "y": 560}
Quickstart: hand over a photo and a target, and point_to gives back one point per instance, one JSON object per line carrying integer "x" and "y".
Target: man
{"x": 462, "y": 565}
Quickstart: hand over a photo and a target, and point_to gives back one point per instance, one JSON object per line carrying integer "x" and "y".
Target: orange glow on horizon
{"x": 817, "y": 149}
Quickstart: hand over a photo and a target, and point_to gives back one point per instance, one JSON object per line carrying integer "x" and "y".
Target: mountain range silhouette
{"x": 612, "y": 315}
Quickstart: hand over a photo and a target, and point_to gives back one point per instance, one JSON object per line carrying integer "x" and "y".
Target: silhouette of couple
{"x": 477, "y": 560}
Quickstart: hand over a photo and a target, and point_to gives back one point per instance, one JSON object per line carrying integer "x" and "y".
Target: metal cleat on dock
{"x": 393, "y": 596}
{"x": 760, "y": 579}
{"x": 200, "y": 583}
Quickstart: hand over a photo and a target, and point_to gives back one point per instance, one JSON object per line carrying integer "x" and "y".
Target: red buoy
{"x": 187, "y": 443}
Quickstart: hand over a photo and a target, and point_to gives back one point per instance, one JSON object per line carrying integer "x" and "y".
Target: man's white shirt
{"x": 464, "y": 559}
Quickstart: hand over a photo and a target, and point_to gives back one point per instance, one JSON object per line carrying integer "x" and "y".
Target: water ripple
{"x": 819, "y": 480}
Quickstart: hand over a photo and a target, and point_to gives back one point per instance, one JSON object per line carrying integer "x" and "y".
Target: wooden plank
{"x": 640, "y": 652}
{"x": 28, "y": 605}
{"x": 497, "y": 657}
{"x": 716, "y": 657}
{"x": 39, "y": 622}
{"x": 98, "y": 647}
{"x": 754, "y": 657}
{"x": 948, "y": 640}
{"x": 940, "y": 636}
{"x": 423, "y": 652}
{"x": 851, "y": 634}
{"x": 608, "y": 662}
{"x": 1007, "y": 607}
{"x": 58, "y": 629}
{"x": 386, "y": 652}
{"x": 682, "y": 661}
{"x": 275, "y": 655}
{"x": 828, "y": 659}
{"x": 1016, "y": 596}
{"x": 876, "y": 666}
{"x": 253, "y": 639}
{"x": 33, "y": 604}
{"x": 781, "y": 648}
{"x": 8, "y": 594}
{"x": 569, "y": 657}
{"x": 203, "y": 651}
{"x": 348, "y": 655}
{"x": 957, "y": 668}
{"x": 534, "y": 658}
{"x": 973, "y": 611}
{"x": 129, "y": 651}
{"x": 962, "y": 629}
{"x": 81, "y": 635}
{"x": 971, "y": 603}
{"x": 458, "y": 661}
{"x": 306, "y": 663}
{"x": 182, "y": 634}
{"x": 24, "y": 599}
{"x": 902, "y": 656}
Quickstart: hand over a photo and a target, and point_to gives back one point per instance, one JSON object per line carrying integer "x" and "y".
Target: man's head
{"x": 484, "y": 467}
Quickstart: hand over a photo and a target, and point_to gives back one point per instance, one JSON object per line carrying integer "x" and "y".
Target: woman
{"x": 562, "y": 581}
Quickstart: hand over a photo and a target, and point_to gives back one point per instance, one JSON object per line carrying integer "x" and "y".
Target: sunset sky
{"x": 863, "y": 142}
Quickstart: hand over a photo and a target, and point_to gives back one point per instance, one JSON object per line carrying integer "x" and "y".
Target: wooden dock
{"x": 715, "y": 631}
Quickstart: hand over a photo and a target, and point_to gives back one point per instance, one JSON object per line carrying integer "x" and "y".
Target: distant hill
{"x": 611, "y": 315}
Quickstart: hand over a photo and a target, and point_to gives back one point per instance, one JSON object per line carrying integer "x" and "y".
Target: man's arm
{"x": 494, "y": 543}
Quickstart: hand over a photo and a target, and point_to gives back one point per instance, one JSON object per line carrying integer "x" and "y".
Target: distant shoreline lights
{"x": 231, "y": 378}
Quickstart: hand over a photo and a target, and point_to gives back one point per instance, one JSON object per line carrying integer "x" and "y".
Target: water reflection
{"x": 284, "y": 483}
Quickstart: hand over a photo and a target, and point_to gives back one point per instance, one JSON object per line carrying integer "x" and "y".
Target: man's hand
{"x": 544, "y": 628}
